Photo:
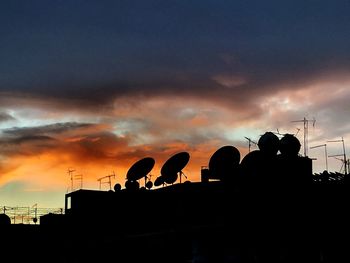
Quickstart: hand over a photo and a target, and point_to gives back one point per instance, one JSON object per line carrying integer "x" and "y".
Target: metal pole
{"x": 305, "y": 135}
{"x": 345, "y": 160}
{"x": 325, "y": 151}
{"x": 326, "y": 156}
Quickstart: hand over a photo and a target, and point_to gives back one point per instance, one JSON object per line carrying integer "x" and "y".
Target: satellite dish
{"x": 252, "y": 161}
{"x": 140, "y": 169}
{"x": 5, "y": 220}
{"x": 269, "y": 143}
{"x": 159, "y": 181}
{"x": 224, "y": 161}
{"x": 170, "y": 178}
{"x": 173, "y": 166}
{"x": 149, "y": 185}
{"x": 289, "y": 145}
{"x": 132, "y": 185}
{"x": 117, "y": 187}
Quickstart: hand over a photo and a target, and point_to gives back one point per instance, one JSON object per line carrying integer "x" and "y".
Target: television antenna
{"x": 109, "y": 181}
{"x": 278, "y": 133}
{"x": 345, "y": 161}
{"x": 79, "y": 177}
{"x": 306, "y": 131}
{"x": 340, "y": 159}
{"x": 325, "y": 152}
{"x": 250, "y": 142}
{"x": 70, "y": 173}
{"x": 74, "y": 177}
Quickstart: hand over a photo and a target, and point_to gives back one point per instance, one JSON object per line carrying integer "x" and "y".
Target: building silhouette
{"x": 267, "y": 207}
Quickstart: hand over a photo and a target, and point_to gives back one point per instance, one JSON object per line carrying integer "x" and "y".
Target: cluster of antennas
{"x": 223, "y": 164}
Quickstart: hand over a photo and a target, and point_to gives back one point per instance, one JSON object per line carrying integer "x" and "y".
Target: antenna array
{"x": 306, "y": 131}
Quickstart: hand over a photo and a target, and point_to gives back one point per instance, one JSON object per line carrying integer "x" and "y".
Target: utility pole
{"x": 306, "y": 131}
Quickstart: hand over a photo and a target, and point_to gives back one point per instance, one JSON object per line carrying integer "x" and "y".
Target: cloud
{"x": 87, "y": 64}
{"x": 5, "y": 117}
{"x": 51, "y": 129}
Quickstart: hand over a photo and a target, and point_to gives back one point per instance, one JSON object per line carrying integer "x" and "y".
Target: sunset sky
{"x": 97, "y": 85}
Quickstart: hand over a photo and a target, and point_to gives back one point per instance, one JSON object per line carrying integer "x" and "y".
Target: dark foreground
{"x": 194, "y": 222}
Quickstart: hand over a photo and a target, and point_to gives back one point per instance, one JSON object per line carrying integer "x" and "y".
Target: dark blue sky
{"x": 57, "y": 48}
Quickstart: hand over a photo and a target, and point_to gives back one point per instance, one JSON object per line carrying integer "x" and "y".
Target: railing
{"x": 28, "y": 215}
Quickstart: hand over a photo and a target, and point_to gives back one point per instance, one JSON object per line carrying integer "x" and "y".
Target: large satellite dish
{"x": 173, "y": 166}
{"x": 140, "y": 169}
{"x": 224, "y": 161}
{"x": 253, "y": 161}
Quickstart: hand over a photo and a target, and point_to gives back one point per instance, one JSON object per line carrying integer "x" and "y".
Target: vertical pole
{"x": 305, "y": 135}
{"x": 326, "y": 156}
{"x": 345, "y": 160}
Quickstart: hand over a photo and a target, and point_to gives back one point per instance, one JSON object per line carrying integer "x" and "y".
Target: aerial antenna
{"x": 306, "y": 131}
{"x": 79, "y": 177}
{"x": 344, "y": 155}
{"x": 325, "y": 152}
{"x": 35, "y": 219}
{"x": 70, "y": 173}
{"x": 335, "y": 156}
{"x": 283, "y": 134}
{"x": 250, "y": 142}
{"x": 109, "y": 181}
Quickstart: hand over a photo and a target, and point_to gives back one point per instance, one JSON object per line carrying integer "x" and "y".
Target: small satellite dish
{"x": 117, "y": 187}
{"x": 170, "y": 178}
{"x": 132, "y": 185}
{"x": 140, "y": 169}
{"x": 224, "y": 161}
{"x": 173, "y": 166}
{"x": 149, "y": 185}
{"x": 4, "y": 220}
{"x": 159, "y": 181}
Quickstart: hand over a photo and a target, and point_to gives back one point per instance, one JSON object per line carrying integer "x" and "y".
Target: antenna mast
{"x": 306, "y": 131}
{"x": 325, "y": 153}
{"x": 344, "y": 155}
{"x": 80, "y": 178}
{"x": 109, "y": 182}
{"x": 250, "y": 143}
{"x": 70, "y": 173}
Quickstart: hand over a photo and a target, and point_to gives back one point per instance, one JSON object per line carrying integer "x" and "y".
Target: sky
{"x": 95, "y": 86}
